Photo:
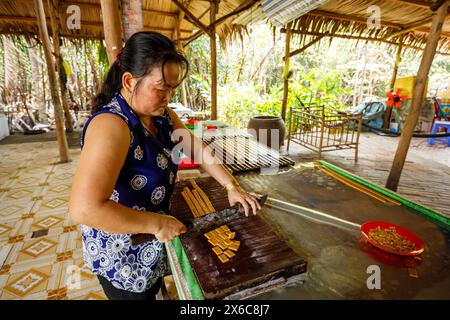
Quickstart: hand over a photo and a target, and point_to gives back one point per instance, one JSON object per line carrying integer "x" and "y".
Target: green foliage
{"x": 240, "y": 102}
{"x": 200, "y": 89}
{"x": 318, "y": 86}
{"x": 102, "y": 59}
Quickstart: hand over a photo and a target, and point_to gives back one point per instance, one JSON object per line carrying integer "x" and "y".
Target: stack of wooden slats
{"x": 240, "y": 153}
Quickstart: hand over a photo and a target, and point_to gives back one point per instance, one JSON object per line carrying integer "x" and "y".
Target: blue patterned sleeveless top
{"x": 145, "y": 183}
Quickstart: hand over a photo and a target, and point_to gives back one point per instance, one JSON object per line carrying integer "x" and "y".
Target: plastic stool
{"x": 434, "y": 130}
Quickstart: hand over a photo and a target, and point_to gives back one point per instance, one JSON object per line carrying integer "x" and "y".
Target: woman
{"x": 126, "y": 173}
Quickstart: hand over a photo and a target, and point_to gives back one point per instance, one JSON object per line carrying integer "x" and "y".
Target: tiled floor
{"x": 41, "y": 257}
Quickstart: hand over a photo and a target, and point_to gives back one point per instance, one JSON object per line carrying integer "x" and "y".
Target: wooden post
{"x": 53, "y": 12}
{"x": 218, "y": 22}
{"x": 192, "y": 17}
{"x": 417, "y": 101}
{"x": 212, "y": 37}
{"x": 60, "y": 134}
{"x": 287, "y": 61}
{"x": 181, "y": 49}
{"x": 112, "y": 28}
{"x": 388, "y": 113}
{"x": 322, "y": 131}
{"x": 357, "y": 136}
{"x": 309, "y": 44}
{"x": 398, "y": 58}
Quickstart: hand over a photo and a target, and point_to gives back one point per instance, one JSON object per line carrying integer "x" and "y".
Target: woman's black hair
{"x": 142, "y": 52}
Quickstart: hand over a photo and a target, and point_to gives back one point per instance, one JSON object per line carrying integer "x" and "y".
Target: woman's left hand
{"x": 246, "y": 199}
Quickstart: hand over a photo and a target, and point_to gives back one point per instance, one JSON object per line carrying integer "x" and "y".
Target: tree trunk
{"x": 59, "y": 64}
{"x": 76, "y": 74}
{"x": 93, "y": 69}
{"x": 60, "y": 134}
{"x": 8, "y": 82}
{"x": 21, "y": 87}
{"x": 38, "y": 96}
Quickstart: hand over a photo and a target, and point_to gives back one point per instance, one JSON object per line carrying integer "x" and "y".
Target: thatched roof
{"x": 348, "y": 19}
{"x": 342, "y": 18}
{"x": 19, "y": 17}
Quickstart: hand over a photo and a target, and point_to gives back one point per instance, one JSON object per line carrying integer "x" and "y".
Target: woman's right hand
{"x": 169, "y": 228}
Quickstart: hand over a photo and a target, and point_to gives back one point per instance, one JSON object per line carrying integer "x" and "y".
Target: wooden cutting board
{"x": 215, "y": 192}
{"x": 262, "y": 256}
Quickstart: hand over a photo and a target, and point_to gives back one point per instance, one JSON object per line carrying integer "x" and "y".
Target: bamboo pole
{"x": 350, "y": 18}
{"x": 195, "y": 20}
{"x": 112, "y": 28}
{"x": 417, "y": 100}
{"x": 212, "y": 11}
{"x": 60, "y": 134}
{"x": 218, "y": 22}
{"x": 287, "y": 61}
{"x": 309, "y": 44}
{"x": 398, "y": 59}
{"x": 387, "y": 114}
{"x": 410, "y": 27}
{"x": 357, "y": 136}
{"x": 53, "y": 11}
{"x": 363, "y": 38}
{"x": 180, "y": 18}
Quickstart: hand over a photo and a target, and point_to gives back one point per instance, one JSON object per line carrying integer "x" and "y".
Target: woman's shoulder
{"x": 108, "y": 126}
{"x": 108, "y": 121}
{"x": 113, "y": 107}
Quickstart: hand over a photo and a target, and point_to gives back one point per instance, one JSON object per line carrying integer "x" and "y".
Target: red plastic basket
{"x": 418, "y": 243}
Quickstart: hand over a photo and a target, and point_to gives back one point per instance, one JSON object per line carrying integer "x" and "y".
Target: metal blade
{"x": 312, "y": 214}
{"x": 199, "y": 224}
{"x": 219, "y": 217}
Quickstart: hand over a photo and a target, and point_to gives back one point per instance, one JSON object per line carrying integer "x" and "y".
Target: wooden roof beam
{"x": 191, "y": 16}
{"x": 161, "y": 13}
{"x": 32, "y": 20}
{"x": 66, "y": 3}
{"x": 437, "y": 4}
{"x": 426, "y": 30}
{"x": 309, "y": 44}
{"x": 344, "y": 17}
{"x": 412, "y": 26}
{"x": 87, "y": 5}
{"x": 418, "y": 3}
{"x": 350, "y": 37}
{"x": 424, "y": 4}
{"x": 220, "y": 21}
{"x": 165, "y": 29}
{"x": 89, "y": 24}
{"x": 64, "y": 35}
